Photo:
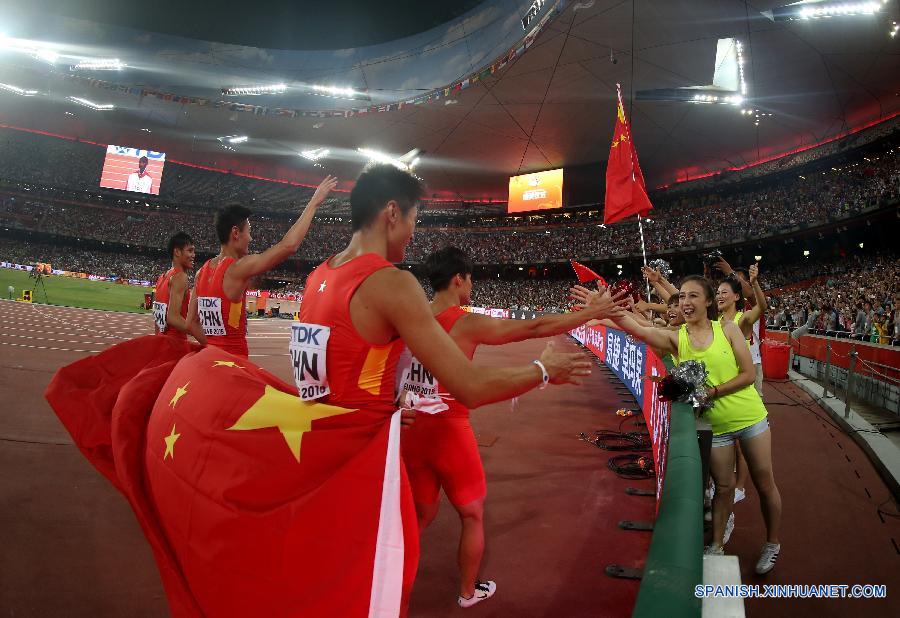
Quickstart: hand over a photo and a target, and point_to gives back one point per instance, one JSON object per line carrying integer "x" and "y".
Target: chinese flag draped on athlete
{"x": 255, "y": 503}
{"x": 626, "y": 193}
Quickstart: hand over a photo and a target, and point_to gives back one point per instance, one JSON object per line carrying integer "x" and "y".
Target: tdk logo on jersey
{"x": 305, "y": 334}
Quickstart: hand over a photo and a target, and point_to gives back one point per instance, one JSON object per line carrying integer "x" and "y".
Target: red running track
{"x": 72, "y": 547}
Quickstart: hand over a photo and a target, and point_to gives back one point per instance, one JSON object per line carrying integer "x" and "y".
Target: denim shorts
{"x": 729, "y": 438}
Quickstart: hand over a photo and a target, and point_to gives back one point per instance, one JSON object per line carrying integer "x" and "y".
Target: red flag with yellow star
{"x": 626, "y": 193}
{"x": 257, "y": 503}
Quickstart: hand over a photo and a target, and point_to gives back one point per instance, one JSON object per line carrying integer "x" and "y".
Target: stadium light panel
{"x": 234, "y": 91}
{"x": 47, "y": 55}
{"x": 816, "y": 9}
{"x": 380, "y": 157}
{"x": 233, "y": 139}
{"x": 19, "y": 91}
{"x": 314, "y": 154}
{"x": 90, "y": 104}
{"x": 99, "y": 64}
{"x": 339, "y": 93}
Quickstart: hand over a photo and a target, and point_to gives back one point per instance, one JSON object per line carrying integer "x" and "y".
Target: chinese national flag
{"x": 585, "y": 274}
{"x": 254, "y": 502}
{"x": 626, "y": 193}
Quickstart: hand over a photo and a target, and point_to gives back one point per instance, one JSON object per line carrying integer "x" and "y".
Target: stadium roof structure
{"x": 483, "y": 90}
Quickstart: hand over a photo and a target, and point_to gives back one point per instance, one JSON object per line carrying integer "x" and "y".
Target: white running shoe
{"x": 729, "y": 528}
{"x": 483, "y": 590}
{"x": 767, "y": 558}
{"x": 739, "y": 494}
{"x": 707, "y": 515}
{"x": 714, "y": 550}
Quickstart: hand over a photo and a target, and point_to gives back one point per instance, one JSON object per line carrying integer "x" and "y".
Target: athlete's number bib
{"x": 414, "y": 378}
{"x": 308, "y": 346}
{"x": 159, "y": 315}
{"x": 209, "y": 310}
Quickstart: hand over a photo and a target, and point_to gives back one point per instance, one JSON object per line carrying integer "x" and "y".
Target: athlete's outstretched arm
{"x": 257, "y": 263}
{"x": 481, "y": 329}
{"x": 664, "y": 340}
{"x": 397, "y": 298}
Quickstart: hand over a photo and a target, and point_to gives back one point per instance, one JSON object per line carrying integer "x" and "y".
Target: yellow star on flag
{"x": 227, "y": 364}
{"x": 292, "y": 416}
{"x": 170, "y": 443}
{"x": 180, "y": 392}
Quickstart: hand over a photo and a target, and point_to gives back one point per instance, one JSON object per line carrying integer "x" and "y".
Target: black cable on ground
{"x": 632, "y": 466}
{"x": 609, "y": 440}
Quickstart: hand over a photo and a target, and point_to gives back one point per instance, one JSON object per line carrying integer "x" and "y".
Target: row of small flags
{"x": 259, "y": 110}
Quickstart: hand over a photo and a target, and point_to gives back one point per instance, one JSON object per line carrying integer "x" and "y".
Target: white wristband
{"x": 545, "y": 377}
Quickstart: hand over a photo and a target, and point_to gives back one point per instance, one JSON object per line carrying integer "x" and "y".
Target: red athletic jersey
{"x": 440, "y": 449}
{"x": 360, "y": 375}
{"x": 224, "y": 322}
{"x": 414, "y": 377}
{"x": 161, "y": 298}
{"x": 447, "y": 318}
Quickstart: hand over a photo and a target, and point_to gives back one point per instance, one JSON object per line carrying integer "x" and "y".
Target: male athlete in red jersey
{"x": 172, "y": 298}
{"x": 440, "y": 448}
{"x": 221, "y": 282}
{"x": 359, "y": 310}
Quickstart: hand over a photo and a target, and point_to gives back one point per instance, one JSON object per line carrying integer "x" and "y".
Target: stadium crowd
{"x": 689, "y": 222}
{"x": 855, "y": 297}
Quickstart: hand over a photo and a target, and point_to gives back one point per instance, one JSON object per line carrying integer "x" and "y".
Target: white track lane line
{"x": 76, "y": 326}
{"x": 102, "y": 343}
{"x": 4, "y": 328}
{"x": 121, "y": 334}
{"x": 43, "y": 347}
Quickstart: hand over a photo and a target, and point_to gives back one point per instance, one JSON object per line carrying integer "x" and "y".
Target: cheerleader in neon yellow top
{"x": 738, "y": 413}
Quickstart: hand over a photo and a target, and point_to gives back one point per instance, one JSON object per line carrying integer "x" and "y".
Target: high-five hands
{"x": 565, "y": 368}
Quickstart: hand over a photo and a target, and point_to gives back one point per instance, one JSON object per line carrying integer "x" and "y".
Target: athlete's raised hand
{"x": 324, "y": 188}
{"x": 565, "y": 368}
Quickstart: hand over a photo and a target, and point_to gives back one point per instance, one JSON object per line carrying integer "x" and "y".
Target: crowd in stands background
{"x": 50, "y": 186}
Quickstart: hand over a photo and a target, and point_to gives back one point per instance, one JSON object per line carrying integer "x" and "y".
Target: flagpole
{"x": 644, "y": 252}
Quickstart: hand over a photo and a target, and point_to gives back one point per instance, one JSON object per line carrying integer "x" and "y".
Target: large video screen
{"x": 538, "y": 191}
{"x": 132, "y": 169}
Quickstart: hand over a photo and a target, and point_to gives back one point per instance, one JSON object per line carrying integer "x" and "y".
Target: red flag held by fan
{"x": 585, "y": 274}
{"x": 626, "y": 193}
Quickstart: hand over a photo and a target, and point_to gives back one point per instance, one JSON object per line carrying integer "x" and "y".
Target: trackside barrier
{"x": 674, "y": 564}
{"x": 675, "y": 561}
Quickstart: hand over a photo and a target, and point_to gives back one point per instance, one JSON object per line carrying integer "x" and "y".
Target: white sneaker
{"x": 729, "y": 528}
{"x": 739, "y": 494}
{"x": 714, "y": 550}
{"x": 483, "y": 590}
{"x": 767, "y": 558}
{"x": 710, "y": 490}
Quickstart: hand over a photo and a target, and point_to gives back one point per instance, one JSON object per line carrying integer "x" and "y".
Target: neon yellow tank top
{"x": 731, "y": 412}
{"x": 737, "y": 321}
